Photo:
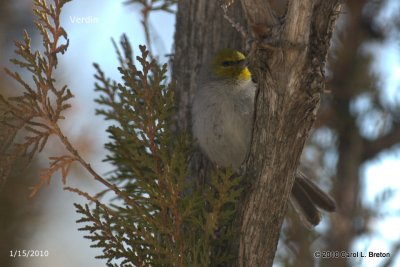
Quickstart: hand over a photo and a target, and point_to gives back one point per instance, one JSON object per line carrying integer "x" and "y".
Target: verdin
{"x": 222, "y": 114}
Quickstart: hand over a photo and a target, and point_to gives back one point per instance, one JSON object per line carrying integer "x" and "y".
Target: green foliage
{"x": 169, "y": 219}
{"x": 160, "y": 214}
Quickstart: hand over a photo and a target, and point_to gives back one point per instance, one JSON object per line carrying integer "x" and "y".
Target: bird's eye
{"x": 226, "y": 63}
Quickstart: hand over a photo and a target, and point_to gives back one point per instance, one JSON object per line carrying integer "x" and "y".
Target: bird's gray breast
{"x": 222, "y": 122}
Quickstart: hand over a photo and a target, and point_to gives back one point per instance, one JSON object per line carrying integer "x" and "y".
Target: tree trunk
{"x": 288, "y": 60}
{"x": 201, "y": 30}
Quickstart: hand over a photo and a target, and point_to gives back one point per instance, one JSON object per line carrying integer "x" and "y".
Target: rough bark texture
{"x": 201, "y": 30}
{"x": 350, "y": 76}
{"x": 290, "y": 82}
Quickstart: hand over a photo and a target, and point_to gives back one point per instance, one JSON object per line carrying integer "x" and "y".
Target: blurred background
{"x": 354, "y": 148}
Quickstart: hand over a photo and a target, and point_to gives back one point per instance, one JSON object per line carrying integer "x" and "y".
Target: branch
{"x": 289, "y": 86}
{"x": 259, "y": 16}
{"x": 236, "y": 25}
{"x": 372, "y": 148}
{"x": 37, "y": 101}
{"x": 395, "y": 252}
{"x": 324, "y": 15}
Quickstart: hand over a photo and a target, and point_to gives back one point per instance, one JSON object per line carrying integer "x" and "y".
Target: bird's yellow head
{"x": 229, "y": 63}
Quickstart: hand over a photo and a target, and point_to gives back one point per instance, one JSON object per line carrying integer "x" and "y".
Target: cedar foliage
{"x": 169, "y": 219}
{"x": 159, "y": 215}
{"x": 38, "y": 110}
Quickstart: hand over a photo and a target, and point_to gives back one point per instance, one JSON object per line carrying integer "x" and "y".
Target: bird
{"x": 222, "y": 117}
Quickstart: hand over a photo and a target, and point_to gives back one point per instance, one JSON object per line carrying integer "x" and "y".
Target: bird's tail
{"x": 307, "y": 198}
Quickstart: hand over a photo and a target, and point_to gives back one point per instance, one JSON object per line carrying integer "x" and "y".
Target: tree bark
{"x": 201, "y": 30}
{"x": 288, "y": 60}
{"x": 290, "y": 83}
